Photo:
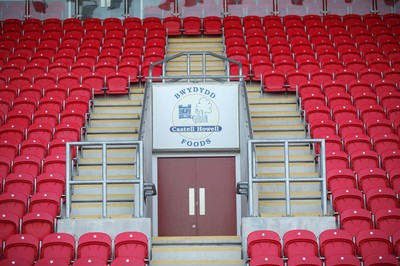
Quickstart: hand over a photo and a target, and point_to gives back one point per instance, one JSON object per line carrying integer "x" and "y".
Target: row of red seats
{"x": 333, "y": 247}
{"x": 128, "y": 248}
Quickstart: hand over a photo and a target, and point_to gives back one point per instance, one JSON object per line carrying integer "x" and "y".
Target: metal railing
{"x": 104, "y": 182}
{"x": 253, "y": 179}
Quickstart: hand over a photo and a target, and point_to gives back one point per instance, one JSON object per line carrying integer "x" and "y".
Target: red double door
{"x": 196, "y": 196}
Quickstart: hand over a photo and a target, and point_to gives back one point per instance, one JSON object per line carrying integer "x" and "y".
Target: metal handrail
{"x": 104, "y": 181}
{"x": 253, "y": 179}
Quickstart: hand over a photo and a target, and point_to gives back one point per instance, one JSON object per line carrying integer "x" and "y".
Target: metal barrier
{"x": 144, "y": 189}
{"x": 252, "y": 160}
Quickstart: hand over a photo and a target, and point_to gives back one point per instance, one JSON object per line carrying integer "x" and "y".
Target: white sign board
{"x": 195, "y": 116}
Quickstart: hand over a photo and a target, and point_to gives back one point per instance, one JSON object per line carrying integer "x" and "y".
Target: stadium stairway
{"x": 276, "y": 116}
{"x": 115, "y": 118}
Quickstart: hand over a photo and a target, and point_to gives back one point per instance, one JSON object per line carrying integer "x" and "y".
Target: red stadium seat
{"x": 28, "y": 103}
{"x": 9, "y": 225}
{"x": 347, "y": 198}
{"x": 5, "y": 166}
{"x": 263, "y": 243}
{"x": 40, "y": 131}
{"x": 311, "y": 99}
{"x": 212, "y": 25}
{"x": 317, "y": 112}
{"x": 333, "y": 242}
{"x": 387, "y": 220}
{"x": 27, "y": 164}
{"x": 357, "y": 142}
{"x": 273, "y": 81}
{"x": 131, "y": 245}
{"x": 38, "y": 224}
{"x": 302, "y": 260}
{"x": 94, "y": 245}
{"x": 361, "y": 99}
{"x": 332, "y": 143}
{"x": 373, "y": 111}
{"x": 322, "y": 128}
{"x": 355, "y": 220}
{"x": 58, "y": 246}
{"x": 373, "y": 241}
{"x": 51, "y": 262}
{"x": 50, "y": 102}
{"x": 129, "y": 261}
{"x": 378, "y": 126}
{"x": 77, "y": 116}
{"x": 15, "y": 261}
{"x": 68, "y": 131}
{"x": 384, "y": 142}
{"x": 89, "y": 262}
{"x": 346, "y": 111}
{"x": 9, "y": 148}
{"x": 390, "y": 160}
{"x": 340, "y": 179}
{"x": 378, "y": 198}
{"x": 362, "y": 159}
{"x": 191, "y": 25}
{"x": 51, "y": 182}
{"x": 336, "y": 160}
{"x": 20, "y": 183}
{"x": 299, "y": 243}
{"x": 349, "y": 260}
{"x": 36, "y": 147}
{"x": 22, "y": 244}
{"x": 371, "y": 177}
{"x": 54, "y": 164}
{"x": 45, "y": 202}
{"x": 117, "y": 83}
{"x": 380, "y": 259}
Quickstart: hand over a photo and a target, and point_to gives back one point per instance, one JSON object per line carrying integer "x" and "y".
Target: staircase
{"x": 197, "y": 251}
{"x": 275, "y": 116}
{"x": 115, "y": 118}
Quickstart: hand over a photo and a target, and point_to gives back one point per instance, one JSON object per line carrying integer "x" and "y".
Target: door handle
{"x": 202, "y": 200}
{"x": 191, "y": 202}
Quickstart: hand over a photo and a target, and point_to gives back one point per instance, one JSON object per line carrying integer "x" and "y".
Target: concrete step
{"x": 271, "y": 208}
{"x": 278, "y": 118}
{"x": 199, "y": 251}
{"x": 94, "y": 210}
{"x": 294, "y": 150}
{"x": 112, "y": 169}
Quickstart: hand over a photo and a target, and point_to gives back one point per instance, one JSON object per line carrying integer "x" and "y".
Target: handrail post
{"x": 188, "y": 66}
{"x": 68, "y": 170}
{"x": 104, "y": 179}
{"x": 250, "y": 177}
{"x": 141, "y": 179}
{"x": 323, "y": 175}
{"x": 287, "y": 178}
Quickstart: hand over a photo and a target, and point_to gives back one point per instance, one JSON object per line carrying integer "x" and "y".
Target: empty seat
{"x": 373, "y": 111}
{"x": 50, "y": 182}
{"x": 380, "y": 259}
{"x": 38, "y": 224}
{"x": 336, "y": 260}
{"x": 25, "y": 244}
{"x": 45, "y": 202}
{"x": 69, "y": 131}
{"x": 318, "y": 112}
{"x": 341, "y": 112}
{"x": 363, "y": 159}
{"x": 94, "y": 245}
{"x": 263, "y": 243}
{"x": 131, "y": 244}
{"x": 8, "y": 149}
{"x": 378, "y": 126}
{"x": 15, "y": 261}
{"x": 336, "y": 242}
{"x": 191, "y": 25}
{"x": 117, "y": 83}
{"x": 383, "y": 142}
{"x": 12, "y": 132}
{"x": 390, "y": 160}
{"x": 9, "y": 224}
{"x": 20, "y": 183}
{"x": 58, "y": 246}
{"x": 299, "y": 243}
{"x": 212, "y": 25}
{"x": 387, "y": 220}
{"x": 357, "y": 142}
{"x": 89, "y": 262}
{"x": 336, "y": 160}
{"x": 27, "y": 164}
{"x": 378, "y": 198}
{"x": 273, "y": 81}
{"x": 332, "y": 143}
{"x": 355, "y": 220}
{"x": 54, "y": 164}
{"x": 347, "y": 198}
{"x": 129, "y": 261}
{"x": 340, "y": 179}
{"x": 36, "y": 147}
{"x": 303, "y": 260}
{"x": 373, "y": 241}
{"x": 20, "y": 117}
{"x": 372, "y": 177}
{"x": 322, "y": 127}
{"x": 41, "y": 131}
{"x": 51, "y": 262}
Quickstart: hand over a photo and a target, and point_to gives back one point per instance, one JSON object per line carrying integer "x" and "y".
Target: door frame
{"x": 194, "y": 155}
